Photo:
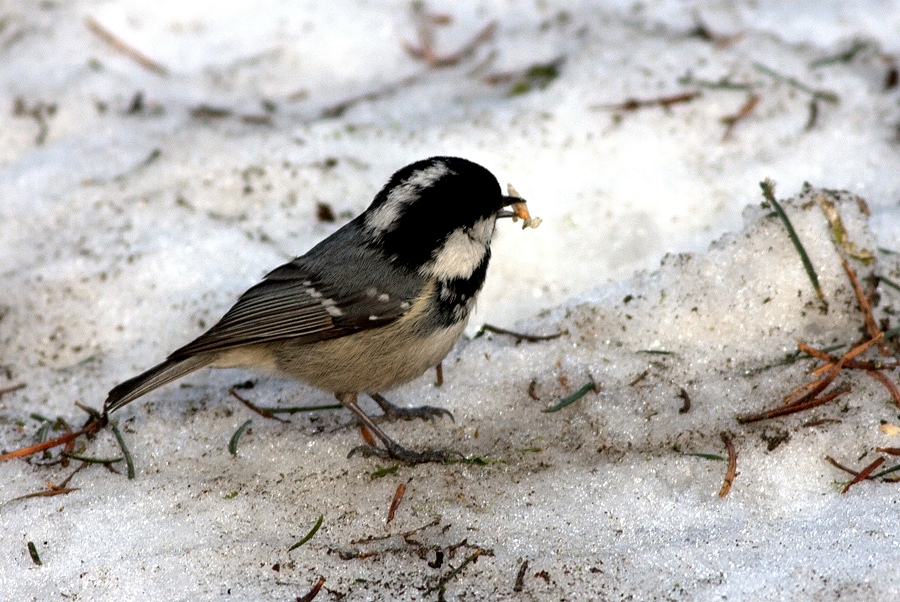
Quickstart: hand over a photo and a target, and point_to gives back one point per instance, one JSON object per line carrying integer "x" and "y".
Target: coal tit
{"x": 372, "y": 306}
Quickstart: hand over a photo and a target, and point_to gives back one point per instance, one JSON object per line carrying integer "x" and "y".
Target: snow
{"x": 130, "y": 225}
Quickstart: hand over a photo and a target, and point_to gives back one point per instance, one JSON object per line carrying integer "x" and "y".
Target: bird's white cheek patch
{"x": 462, "y": 252}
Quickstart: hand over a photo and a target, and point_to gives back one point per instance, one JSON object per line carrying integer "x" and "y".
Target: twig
{"x": 865, "y": 307}
{"x": 338, "y": 109}
{"x": 520, "y": 577}
{"x": 731, "y": 121}
{"x": 89, "y": 429}
{"x": 864, "y": 473}
{"x": 119, "y": 45}
{"x": 425, "y": 50}
{"x": 840, "y": 466}
{"x": 891, "y": 387}
{"x": 395, "y": 503}
{"x": 313, "y": 592}
{"x": 265, "y": 413}
{"x": 821, "y": 354}
{"x": 519, "y": 336}
{"x": 768, "y": 188}
{"x": 450, "y": 576}
{"x": 12, "y": 388}
{"x": 686, "y": 406}
{"x": 731, "y": 472}
{"x": 403, "y": 535}
{"x": 796, "y": 407}
{"x": 825, "y": 95}
{"x": 633, "y": 104}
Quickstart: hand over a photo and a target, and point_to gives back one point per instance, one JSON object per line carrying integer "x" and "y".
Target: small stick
{"x": 731, "y": 121}
{"x": 686, "y": 406}
{"x": 403, "y": 535}
{"x": 840, "y": 466}
{"x": 883, "y": 379}
{"x": 395, "y": 503}
{"x": 92, "y": 427}
{"x": 12, "y": 388}
{"x": 731, "y": 472}
{"x": 124, "y": 48}
{"x": 794, "y": 408}
{"x": 443, "y": 582}
{"x": 850, "y": 364}
{"x": 827, "y": 96}
{"x": 313, "y": 592}
{"x": 853, "y": 353}
{"x": 531, "y": 338}
{"x": 633, "y": 104}
{"x": 809, "y": 390}
{"x": 520, "y": 577}
{"x": 338, "y": 109}
{"x": 367, "y": 436}
{"x": 864, "y": 473}
{"x": 894, "y": 451}
{"x": 261, "y": 411}
{"x": 864, "y": 306}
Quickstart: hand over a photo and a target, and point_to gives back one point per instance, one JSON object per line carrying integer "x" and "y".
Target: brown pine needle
{"x": 124, "y": 48}
{"x": 395, "y": 503}
{"x": 864, "y": 473}
{"x": 851, "y": 364}
{"x": 67, "y": 439}
{"x": 840, "y": 466}
{"x": 794, "y": 408}
{"x": 864, "y": 306}
{"x": 313, "y": 592}
{"x": 367, "y": 436}
{"x": 731, "y": 121}
{"x": 255, "y": 408}
{"x": 889, "y": 385}
{"x": 731, "y": 472}
{"x": 810, "y": 390}
{"x": 894, "y": 451}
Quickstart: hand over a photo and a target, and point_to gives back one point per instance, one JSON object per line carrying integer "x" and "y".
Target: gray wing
{"x": 332, "y": 291}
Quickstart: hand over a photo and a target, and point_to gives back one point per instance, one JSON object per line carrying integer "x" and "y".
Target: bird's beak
{"x": 518, "y": 209}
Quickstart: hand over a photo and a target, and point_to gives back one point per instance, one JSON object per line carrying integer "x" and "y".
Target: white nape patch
{"x": 384, "y": 297}
{"x": 403, "y": 194}
{"x": 462, "y": 252}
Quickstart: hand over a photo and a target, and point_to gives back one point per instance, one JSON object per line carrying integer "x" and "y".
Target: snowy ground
{"x": 135, "y": 205}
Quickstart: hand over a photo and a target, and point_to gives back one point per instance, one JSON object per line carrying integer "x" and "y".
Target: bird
{"x": 372, "y": 306}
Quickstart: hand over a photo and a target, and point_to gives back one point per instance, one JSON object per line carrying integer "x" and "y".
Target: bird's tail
{"x": 157, "y": 376}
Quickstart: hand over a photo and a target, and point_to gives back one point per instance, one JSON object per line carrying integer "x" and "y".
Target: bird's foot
{"x": 393, "y": 412}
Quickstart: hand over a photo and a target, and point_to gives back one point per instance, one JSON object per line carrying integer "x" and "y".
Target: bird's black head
{"x": 437, "y": 215}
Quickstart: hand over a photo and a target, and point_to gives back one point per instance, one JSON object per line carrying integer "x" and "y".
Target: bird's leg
{"x": 392, "y": 412}
{"x": 392, "y": 449}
